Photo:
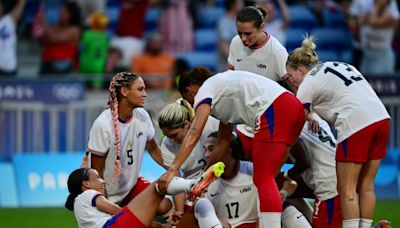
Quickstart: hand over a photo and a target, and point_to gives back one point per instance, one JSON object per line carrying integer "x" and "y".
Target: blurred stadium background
{"x": 44, "y": 121}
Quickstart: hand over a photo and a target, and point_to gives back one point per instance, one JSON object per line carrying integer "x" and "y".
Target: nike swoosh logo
{"x": 218, "y": 225}
{"x": 299, "y": 216}
{"x": 212, "y": 195}
{"x": 239, "y": 60}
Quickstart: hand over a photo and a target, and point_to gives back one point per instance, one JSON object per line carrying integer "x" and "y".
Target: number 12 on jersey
{"x": 347, "y": 79}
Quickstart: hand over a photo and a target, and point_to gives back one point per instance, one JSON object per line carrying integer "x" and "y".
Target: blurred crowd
{"x": 156, "y": 38}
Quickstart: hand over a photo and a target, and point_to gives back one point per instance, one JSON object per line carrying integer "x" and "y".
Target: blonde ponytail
{"x": 304, "y": 55}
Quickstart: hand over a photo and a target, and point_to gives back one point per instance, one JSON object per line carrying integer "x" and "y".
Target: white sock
{"x": 303, "y": 206}
{"x": 365, "y": 223}
{"x": 179, "y": 184}
{"x": 292, "y": 218}
{"x": 205, "y": 213}
{"x": 270, "y": 220}
{"x": 351, "y": 223}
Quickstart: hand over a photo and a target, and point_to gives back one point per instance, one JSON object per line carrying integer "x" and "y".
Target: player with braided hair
{"x": 119, "y": 137}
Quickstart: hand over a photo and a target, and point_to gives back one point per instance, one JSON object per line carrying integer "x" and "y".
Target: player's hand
{"x": 288, "y": 188}
{"x": 174, "y": 217}
{"x": 164, "y": 180}
{"x": 313, "y": 124}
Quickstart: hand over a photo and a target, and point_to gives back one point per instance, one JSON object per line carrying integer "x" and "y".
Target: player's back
{"x": 342, "y": 96}
{"x": 238, "y": 96}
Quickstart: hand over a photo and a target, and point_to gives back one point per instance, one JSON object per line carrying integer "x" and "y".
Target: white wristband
{"x": 284, "y": 192}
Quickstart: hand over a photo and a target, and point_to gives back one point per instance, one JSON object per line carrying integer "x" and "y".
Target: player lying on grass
{"x": 92, "y": 209}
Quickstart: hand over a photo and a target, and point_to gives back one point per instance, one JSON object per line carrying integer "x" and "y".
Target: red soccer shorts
{"x": 327, "y": 213}
{"x": 124, "y": 219}
{"x": 141, "y": 185}
{"x": 366, "y": 144}
{"x": 282, "y": 122}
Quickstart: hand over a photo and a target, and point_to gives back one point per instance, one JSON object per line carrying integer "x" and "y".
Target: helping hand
{"x": 164, "y": 180}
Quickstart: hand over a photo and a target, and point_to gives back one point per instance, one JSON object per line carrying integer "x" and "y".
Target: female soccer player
{"x": 319, "y": 150}
{"x": 255, "y": 51}
{"x": 119, "y": 137}
{"x": 93, "y": 210}
{"x": 174, "y": 121}
{"x": 339, "y": 93}
{"x": 239, "y": 97}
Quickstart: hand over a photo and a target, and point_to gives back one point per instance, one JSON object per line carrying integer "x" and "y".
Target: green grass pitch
{"x": 62, "y": 218}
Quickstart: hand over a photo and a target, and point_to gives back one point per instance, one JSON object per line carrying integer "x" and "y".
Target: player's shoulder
{"x": 104, "y": 118}
{"x": 276, "y": 45}
{"x": 236, "y": 42}
{"x": 88, "y": 195}
{"x": 142, "y": 114}
{"x": 246, "y": 168}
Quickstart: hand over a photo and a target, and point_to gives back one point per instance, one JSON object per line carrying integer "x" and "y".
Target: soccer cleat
{"x": 210, "y": 175}
{"x": 382, "y": 224}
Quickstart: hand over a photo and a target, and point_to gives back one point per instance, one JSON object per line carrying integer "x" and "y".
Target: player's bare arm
{"x": 155, "y": 152}
{"x": 98, "y": 163}
{"x": 107, "y": 206}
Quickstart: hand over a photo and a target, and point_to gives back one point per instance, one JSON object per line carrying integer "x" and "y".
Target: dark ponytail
{"x": 75, "y": 186}
{"x": 195, "y": 76}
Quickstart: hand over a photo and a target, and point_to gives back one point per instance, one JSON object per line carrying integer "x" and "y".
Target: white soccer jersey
{"x": 86, "y": 213}
{"x": 235, "y": 200}
{"x": 338, "y": 93}
{"x": 320, "y": 150}
{"x": 238, "y": 97}
{"x": 194, "y": 164}
{"x": 134, "y": 135}
{"x": 268, "y": 60}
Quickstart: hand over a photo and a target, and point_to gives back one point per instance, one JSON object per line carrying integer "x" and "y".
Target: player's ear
{"x": 303, "y": 70}
{"x": 124, "y": 91}
{"x": 85, "y": 184}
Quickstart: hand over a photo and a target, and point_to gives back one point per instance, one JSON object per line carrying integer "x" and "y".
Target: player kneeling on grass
{"x": 233, "y": 199}
{"x": 92, "y": 209}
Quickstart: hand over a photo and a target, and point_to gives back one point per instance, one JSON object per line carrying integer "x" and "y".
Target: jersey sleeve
{"x": 89, "y": 197}
{"x": 99, "y": 138}
{"x": 231, "y": 56}
{"x": 281, "y": 56}
{"x": 204, "y": 95}
{"x": 166, "y": 153}
{"x": 305, "y": 94}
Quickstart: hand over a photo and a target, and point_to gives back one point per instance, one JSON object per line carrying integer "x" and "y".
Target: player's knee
{"x": 203, "y": 207}
{"x": 348, "y": 194}
{"x": 165, "y": 206}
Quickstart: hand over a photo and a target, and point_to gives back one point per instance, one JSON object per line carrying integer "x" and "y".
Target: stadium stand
{"x": 205, "y": 40}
